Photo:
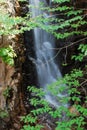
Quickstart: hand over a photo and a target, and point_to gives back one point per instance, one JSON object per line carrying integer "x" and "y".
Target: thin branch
{"x": 66, "y": 56}
{"x": 71, "y": 44}
{"x": 63, "y": 14}
{"x": 83, "y": 82}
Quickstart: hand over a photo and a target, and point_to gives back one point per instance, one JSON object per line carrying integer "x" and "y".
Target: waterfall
{"x": 47, "y": 70}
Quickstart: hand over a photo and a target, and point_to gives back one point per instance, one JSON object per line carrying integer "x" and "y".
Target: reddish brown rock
{"x": 73, "y": 111}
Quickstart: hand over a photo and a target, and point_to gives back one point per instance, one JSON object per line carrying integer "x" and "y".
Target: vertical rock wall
{"x": 10, "y": 77}
{"x": 5, "y": 71}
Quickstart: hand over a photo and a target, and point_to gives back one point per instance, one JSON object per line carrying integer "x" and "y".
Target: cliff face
{"x": 10, "y": 76}
{"x": 5, "y": 71}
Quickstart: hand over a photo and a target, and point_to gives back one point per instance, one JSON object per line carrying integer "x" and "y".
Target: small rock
{"x": 17, "y": 126}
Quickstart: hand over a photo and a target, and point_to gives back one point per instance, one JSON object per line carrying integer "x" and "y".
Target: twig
{"x": 72, "y": 43}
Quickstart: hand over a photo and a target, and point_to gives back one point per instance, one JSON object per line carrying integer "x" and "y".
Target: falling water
{"x": 47, "y": 70}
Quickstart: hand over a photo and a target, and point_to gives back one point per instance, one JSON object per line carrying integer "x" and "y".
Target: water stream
{"x": 47, "y": 70}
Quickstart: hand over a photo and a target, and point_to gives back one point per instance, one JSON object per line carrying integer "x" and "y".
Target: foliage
{"x": 6, "y": 92}
{"x": 61, "y": 1}
{"x": 41, "y": 106}
{"x": 8, "y": 26}
{"x": 83, "y": 52}
{"x": 68, "y": 22}
{"x": 3, "y": 114}
{"x": 31, "y": 120}
{"x": 65, "y": 21}
{"x": 8, "y": 55}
